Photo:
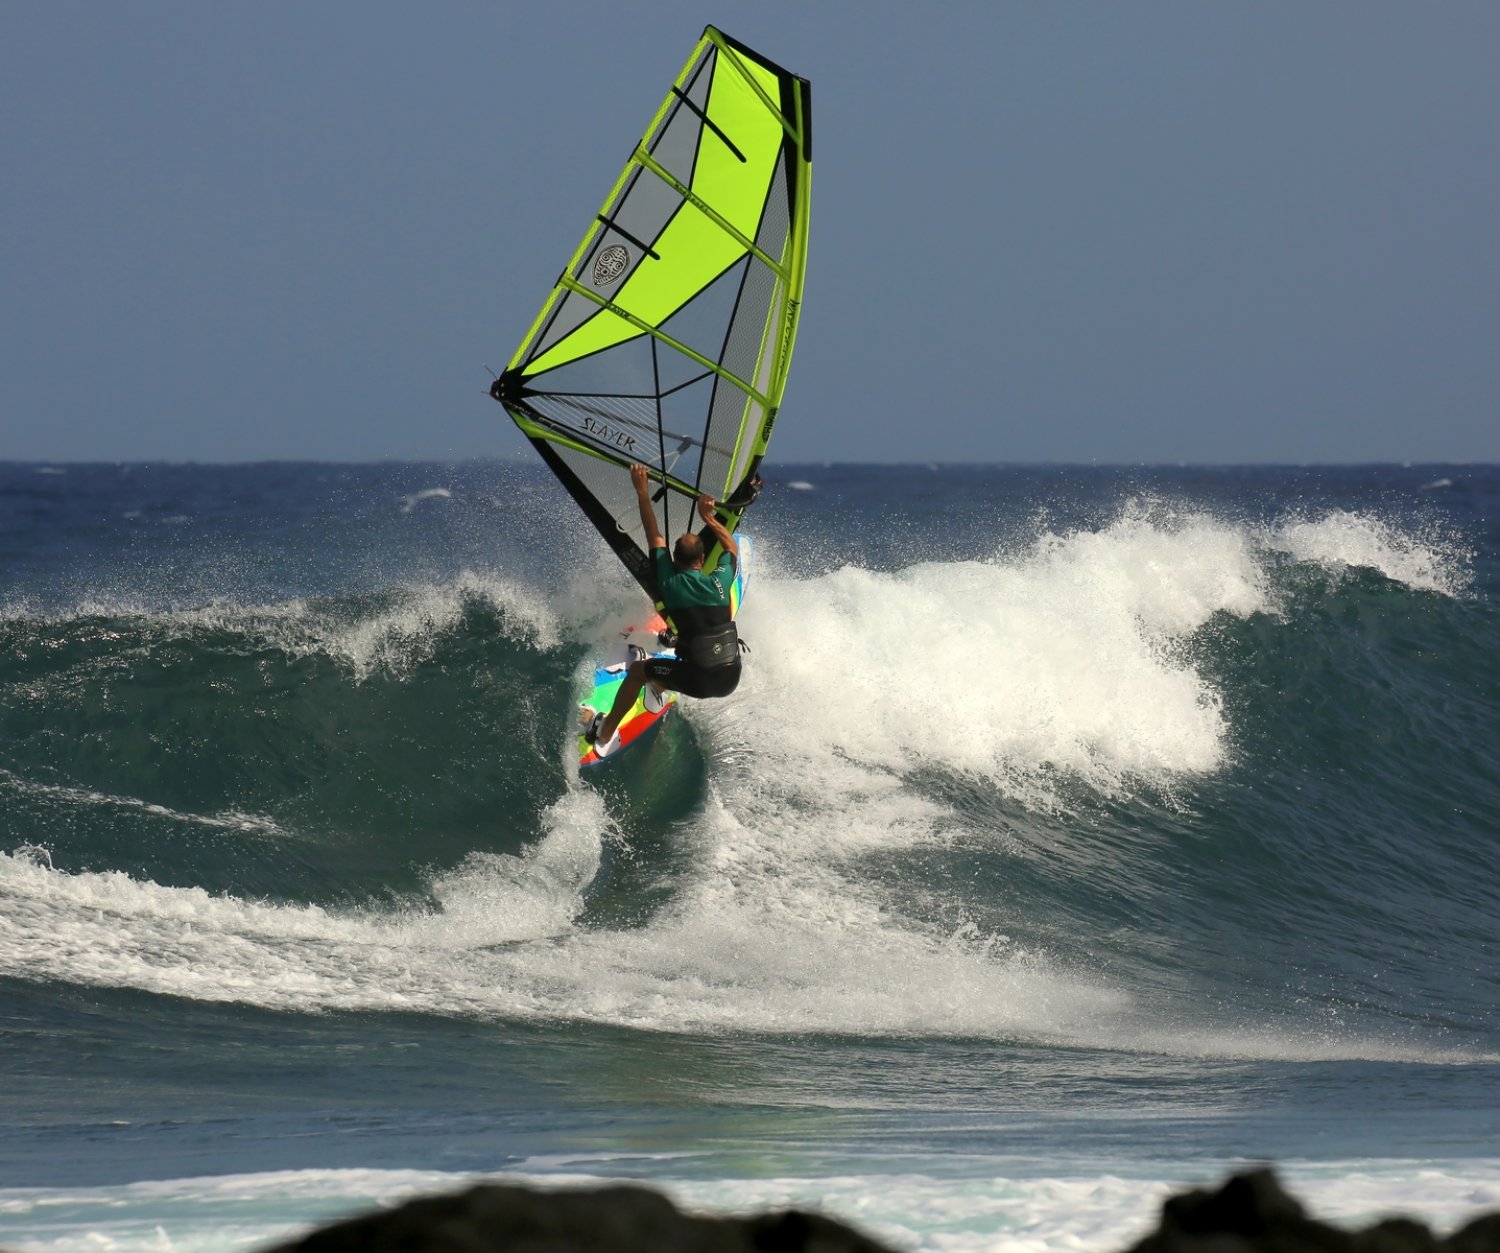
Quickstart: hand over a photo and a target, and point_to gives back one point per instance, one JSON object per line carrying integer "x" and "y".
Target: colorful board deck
{"x": 649, "y": 710}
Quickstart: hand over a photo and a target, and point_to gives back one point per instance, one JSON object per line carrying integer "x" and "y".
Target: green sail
{"x": 668, "y": 337}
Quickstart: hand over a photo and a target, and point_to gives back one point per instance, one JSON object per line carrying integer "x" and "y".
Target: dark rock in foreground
{"x": 499, "y": 1217}
{"x": 1250, "y": 1213}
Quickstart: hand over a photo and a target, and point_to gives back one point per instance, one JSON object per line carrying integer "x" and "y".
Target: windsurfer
{"x": 708, "y": 654}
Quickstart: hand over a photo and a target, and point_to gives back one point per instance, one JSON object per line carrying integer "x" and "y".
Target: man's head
{"x": 687, "y": 553}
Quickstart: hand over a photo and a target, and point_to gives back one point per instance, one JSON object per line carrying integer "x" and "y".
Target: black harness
{"x": 706, "y": 637}
{"x": 708, "y": 650}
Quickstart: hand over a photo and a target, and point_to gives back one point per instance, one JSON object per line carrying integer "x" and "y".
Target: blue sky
{"x": 1081, "y": 231}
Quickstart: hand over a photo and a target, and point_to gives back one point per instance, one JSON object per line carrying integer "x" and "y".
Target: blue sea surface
{"x": 1076, "y": 834}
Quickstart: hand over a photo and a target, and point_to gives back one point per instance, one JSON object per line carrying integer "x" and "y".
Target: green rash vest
{"x": 694, "y": 591}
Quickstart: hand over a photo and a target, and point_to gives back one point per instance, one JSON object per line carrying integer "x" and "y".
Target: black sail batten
{"x": 709, "y": 122}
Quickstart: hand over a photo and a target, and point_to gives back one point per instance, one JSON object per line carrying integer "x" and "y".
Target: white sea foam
{"x": 1428, "y": 561}
{"x": 791, "y": 961}
{"x": 1036, "y": 1207}
{"x": 429, "y": 493}
{"x": 88, "y": 799}
{"x": 1067, "y": 658}
{"x": 392, "y": 633}
{"x": 405, "y": 633}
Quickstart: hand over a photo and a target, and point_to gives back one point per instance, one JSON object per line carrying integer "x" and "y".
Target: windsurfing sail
{"x": 667, "y": 338}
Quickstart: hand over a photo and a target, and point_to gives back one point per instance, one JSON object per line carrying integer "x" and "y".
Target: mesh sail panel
{"x": 667, "y": 338}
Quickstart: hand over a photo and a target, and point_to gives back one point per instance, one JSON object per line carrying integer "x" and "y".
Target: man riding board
{"x": 708, "y": 653}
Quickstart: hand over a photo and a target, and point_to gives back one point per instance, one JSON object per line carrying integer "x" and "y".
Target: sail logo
{"x": 610, "y": 264}
{"x": 607, "y": 434}
{"x": 788, "y": 331}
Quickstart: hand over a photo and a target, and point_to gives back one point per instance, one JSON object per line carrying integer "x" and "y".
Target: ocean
{"x": 1077, "y": 834}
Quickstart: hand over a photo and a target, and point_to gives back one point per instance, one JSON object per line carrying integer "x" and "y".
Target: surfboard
{"x": 650, "y": 710}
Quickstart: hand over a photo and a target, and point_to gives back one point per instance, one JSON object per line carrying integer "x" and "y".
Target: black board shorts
{"x": 677, "y": 675}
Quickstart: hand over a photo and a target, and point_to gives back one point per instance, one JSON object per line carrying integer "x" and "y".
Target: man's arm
{"x": 640, "y": 476}
{"x": 720, "y": 533}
